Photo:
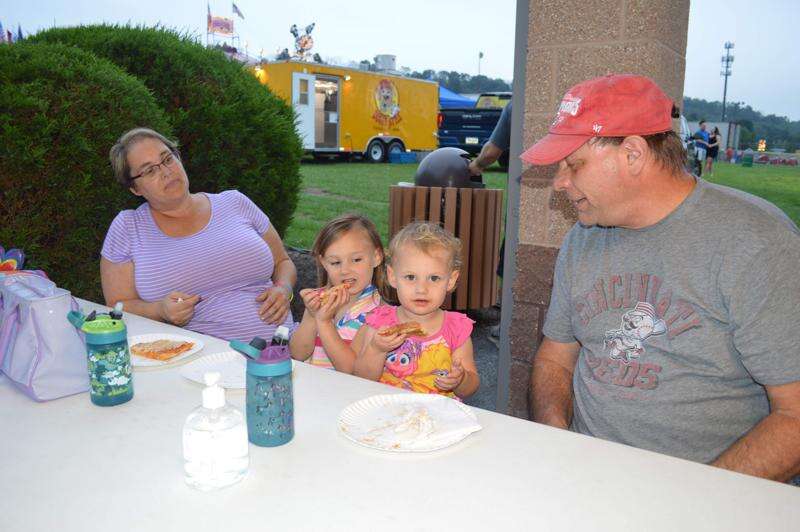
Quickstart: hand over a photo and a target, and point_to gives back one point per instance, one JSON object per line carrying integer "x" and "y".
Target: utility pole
{"x": 480, "y": 56}
{"x": 727, "y": 63}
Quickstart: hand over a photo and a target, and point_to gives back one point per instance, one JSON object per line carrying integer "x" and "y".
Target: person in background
{"x": 701, "y": 137}
{"x": 499, "y": 142}
{"x": 672, "y": 323}
{"x": 714, "y": 139}
{"x": 423, "y": 264}
{"x": 347, "y": 250}
{"x": 212, "y": 263}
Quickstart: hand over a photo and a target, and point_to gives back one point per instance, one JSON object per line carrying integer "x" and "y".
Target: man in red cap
{"x": 672, "y": 323}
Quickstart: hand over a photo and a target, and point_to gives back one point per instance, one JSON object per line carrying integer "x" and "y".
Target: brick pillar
{"x": 568, "y": 42}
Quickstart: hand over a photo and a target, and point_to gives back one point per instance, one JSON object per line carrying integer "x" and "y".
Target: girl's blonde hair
{"x": 337, "y": 227}
{"x": 427, "y": 236}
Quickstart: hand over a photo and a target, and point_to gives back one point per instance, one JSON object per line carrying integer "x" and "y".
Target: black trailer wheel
{"x": 396, "y": 146}
{"x": 376, "y": 151}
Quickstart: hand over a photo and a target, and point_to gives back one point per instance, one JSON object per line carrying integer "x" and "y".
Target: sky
{"x": 449, "y": 34}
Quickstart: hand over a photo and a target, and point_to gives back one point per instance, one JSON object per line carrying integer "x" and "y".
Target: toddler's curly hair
{"x": 427, "y": 236}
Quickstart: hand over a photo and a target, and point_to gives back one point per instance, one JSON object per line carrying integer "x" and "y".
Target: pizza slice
{"x": 161, "y": 349}
{"x": 409, "y": 328}
{"x": 326, "y": 292}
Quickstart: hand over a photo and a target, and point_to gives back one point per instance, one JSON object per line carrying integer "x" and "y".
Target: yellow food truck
{"x": 351, "y": 111}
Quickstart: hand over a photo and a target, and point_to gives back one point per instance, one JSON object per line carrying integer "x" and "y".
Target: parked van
{"x": 350, "y": 111}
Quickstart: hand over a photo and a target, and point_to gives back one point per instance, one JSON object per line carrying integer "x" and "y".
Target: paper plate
{"x": 142, "y": 362}
{"x": 230, "y": 364}
{"x": 407, "y": 422}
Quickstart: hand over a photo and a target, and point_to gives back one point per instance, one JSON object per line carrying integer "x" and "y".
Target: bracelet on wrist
{"x": 289, "y": 291}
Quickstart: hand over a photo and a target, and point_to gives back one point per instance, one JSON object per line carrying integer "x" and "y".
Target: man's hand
{"x": 474, "y": 169}
{"x": 772, "y": 448}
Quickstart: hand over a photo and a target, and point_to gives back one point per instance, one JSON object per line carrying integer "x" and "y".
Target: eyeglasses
{"x": 150, "y": 172}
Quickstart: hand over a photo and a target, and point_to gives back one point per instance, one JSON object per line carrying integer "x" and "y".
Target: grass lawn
{"x": 777, "y": 184}
{"x": 330, "y": 189}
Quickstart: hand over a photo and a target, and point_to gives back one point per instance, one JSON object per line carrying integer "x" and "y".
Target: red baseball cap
{"x": 617, "y": 105}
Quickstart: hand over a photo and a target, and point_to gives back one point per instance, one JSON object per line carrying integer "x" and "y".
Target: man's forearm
{"x": 551, "y": 394}
{"x": 770, "y": 450}
{"x": 489, "y": 154}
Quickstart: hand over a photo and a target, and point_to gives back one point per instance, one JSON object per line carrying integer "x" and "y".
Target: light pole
{"x": 480, "y": 56}
{"x": 727, "y": 63}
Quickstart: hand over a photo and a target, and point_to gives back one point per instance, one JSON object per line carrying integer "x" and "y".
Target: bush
{"x": 233, "y": 132}
{"x": 61, "y": 109}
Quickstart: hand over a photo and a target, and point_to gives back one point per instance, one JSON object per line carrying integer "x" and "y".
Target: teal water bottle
{"x": 269, "y": 401}
{"x": 108, "y": 358}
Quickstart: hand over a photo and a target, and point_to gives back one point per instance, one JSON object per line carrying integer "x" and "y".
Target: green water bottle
{"x": 108, "y": 358}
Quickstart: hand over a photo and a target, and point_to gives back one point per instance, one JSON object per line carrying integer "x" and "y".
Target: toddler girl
{"x": 423, "y": 266}
{"x": 349, "y": 256}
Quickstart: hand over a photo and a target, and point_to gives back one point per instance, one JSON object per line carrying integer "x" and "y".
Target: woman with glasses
{"x": 212, "y": 263}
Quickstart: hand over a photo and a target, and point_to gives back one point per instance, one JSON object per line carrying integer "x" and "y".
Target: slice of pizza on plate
{"x": 161, "y": 349}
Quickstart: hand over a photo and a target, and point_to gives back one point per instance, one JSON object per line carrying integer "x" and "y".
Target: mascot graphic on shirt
{"x": 638, "y": 324}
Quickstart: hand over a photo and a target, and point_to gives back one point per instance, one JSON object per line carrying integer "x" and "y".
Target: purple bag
{"x": 40, "y": 351}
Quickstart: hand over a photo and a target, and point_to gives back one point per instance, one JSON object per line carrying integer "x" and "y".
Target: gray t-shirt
{"x": 501, "y": 134}
{"x": 681, "y": 324}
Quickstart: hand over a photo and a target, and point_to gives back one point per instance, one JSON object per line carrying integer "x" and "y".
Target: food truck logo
{"x": 387, "y": 103}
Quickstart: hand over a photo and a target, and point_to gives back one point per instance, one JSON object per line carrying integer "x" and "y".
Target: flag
{"x": 221, "y": 25}
{"x": 19, "y": 32}
{"x": 237, "y": 11}
{"x": 2, "y": 34}
{"x": 480, "y": 55}
{"x": 9, "y": 36}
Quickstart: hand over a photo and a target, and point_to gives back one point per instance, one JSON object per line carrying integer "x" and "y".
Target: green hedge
{"x": 234, "y": 133}
{"x": 61, "y": 109}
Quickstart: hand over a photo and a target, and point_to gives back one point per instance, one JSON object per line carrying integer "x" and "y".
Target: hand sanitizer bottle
{"x": 215, "y": 443}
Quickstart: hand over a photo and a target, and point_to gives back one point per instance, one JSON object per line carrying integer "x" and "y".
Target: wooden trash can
{"x": 475, "y": 216}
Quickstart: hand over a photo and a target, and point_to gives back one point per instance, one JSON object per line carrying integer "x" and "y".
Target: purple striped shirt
{"x": 227, "y": 263}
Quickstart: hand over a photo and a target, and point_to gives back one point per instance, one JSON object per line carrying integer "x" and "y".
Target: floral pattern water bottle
{"x": 108, "y": 359}
{"x": 269, "y": 400}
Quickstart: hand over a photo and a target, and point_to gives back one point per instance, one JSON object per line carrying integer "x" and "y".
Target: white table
{"x": 68, "y": 465}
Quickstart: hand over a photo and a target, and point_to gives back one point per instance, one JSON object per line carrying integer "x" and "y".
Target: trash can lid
{"x": 446, "y": 167}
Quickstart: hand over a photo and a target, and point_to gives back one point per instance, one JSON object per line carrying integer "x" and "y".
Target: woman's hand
{"x": 453, "y": 378}
{"x": 274, "y": 304}
{"x": 178, "y": 308}
{"x": 385, "y": 344}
